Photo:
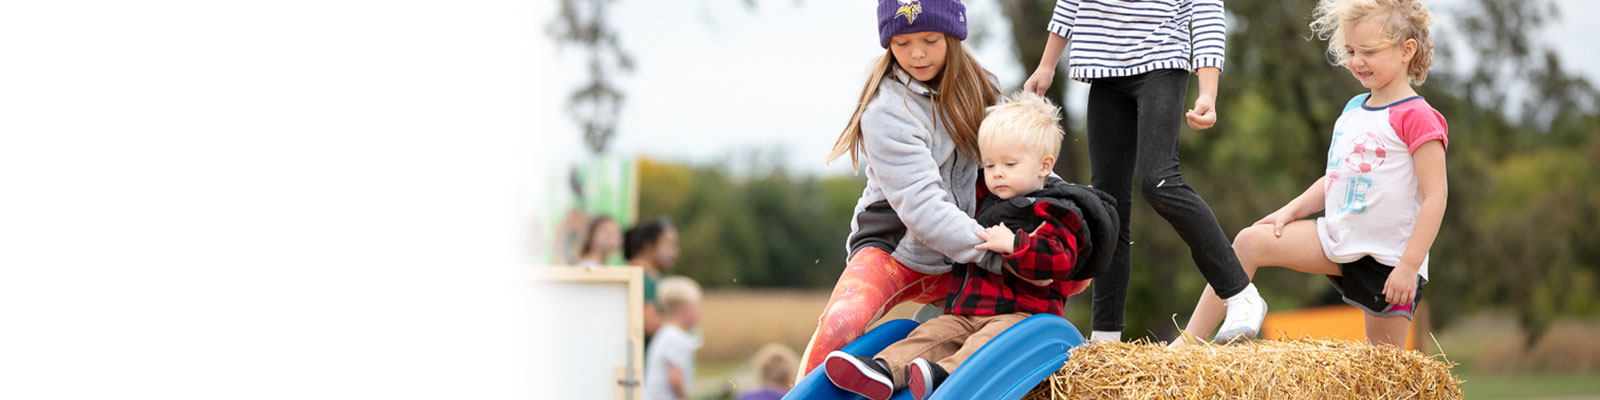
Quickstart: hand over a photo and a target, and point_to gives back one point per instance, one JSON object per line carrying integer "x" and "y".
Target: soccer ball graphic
{"x": 1366, "y": 153}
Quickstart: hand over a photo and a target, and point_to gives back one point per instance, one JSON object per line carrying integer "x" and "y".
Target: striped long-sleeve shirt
{"x": 1112, "y": 38}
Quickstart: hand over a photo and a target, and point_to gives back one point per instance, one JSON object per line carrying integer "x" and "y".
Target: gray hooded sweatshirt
{"x": 921, "y": 190}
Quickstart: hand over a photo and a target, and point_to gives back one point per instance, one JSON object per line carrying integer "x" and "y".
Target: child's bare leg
{"x": 1391, "y": 330}
{"x": 1207, "y": 314}
{"x": 1256, "y": 247}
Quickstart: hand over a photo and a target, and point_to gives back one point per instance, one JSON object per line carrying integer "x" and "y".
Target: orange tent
{"x": 1334, "y": 322}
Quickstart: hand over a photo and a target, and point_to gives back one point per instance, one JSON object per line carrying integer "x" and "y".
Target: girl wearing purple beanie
{"x": 917, "y": 125}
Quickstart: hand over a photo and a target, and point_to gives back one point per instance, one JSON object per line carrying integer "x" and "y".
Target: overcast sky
{"x": 714, "y": 78}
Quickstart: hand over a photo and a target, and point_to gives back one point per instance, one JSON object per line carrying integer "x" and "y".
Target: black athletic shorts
{"x": 1362, "y": 286}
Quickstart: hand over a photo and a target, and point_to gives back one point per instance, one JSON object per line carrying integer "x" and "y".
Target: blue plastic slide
{"x": 816, "y": 385}
{"x": 1005, "y": 368}
{"x": 1014, "y": 362}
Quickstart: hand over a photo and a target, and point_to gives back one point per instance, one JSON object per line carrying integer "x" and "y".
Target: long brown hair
{"x": 964, "y": 88}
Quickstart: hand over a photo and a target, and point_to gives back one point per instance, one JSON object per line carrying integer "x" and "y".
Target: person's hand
{"x": 997, "y": 239}
{"x": 1204, "y": 113}
{"x": 1277, "y": 219}
{"x": 1040, "y": 81}
{"x": 1401, "y": 287}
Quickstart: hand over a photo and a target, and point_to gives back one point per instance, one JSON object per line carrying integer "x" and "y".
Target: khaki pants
{"x": 947, "y": 340}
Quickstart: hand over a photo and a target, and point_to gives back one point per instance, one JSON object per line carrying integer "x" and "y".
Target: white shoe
{"x": 1246, "y": 310}
{"x": 1105, "y": 336}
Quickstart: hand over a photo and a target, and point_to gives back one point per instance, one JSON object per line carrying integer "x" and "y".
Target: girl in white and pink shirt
{"x": 1383, "y": 193}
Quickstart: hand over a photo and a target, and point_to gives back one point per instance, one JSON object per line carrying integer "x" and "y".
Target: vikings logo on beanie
{"x": 910, "y": 9}
{"x": 898, "y": 17}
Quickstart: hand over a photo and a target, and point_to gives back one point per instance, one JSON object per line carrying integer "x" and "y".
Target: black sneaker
{"x": 924, "y": 377}
{"x": 860, "y": 375}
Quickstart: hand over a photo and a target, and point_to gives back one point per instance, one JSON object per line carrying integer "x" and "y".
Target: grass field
{"x": 1531, "y": 386}
{"x": 1489, "y": 347}
{"x": 1496, "y": 365}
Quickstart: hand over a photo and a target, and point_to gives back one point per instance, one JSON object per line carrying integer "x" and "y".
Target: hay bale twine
{"x": 1269, "y": 369}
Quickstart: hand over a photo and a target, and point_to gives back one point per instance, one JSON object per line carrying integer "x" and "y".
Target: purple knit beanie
{"x": 898, "y": 17}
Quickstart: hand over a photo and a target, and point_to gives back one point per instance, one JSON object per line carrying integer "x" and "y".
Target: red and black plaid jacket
{"x": 1049, "y": 253}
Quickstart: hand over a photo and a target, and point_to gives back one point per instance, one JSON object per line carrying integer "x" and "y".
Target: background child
{"x": 916, "y": 123}
{"x": 774, "y": 364}
{"x": 1137, "y": 56}
{"x": 1384, "y": 190}
{"x": 1019, "y": 142}
{"x": 669, "y": 362}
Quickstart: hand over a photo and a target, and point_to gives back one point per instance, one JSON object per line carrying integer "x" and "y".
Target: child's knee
{"x": 1149, "y": 184}
{"x": 1247, "y": 244}
{"x": 1157, "y": 189}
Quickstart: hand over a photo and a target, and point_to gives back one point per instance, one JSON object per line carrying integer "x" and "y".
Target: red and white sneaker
{"x": 860, "y": 375}
{"x": 924, "y": 377}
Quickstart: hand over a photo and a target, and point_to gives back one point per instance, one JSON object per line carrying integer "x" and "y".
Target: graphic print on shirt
{"x": 1333, "y": 162}
{"x": 1355, "y": 195}
{"x": 1362, "y": 154}
{"x": 1366, "y": 153}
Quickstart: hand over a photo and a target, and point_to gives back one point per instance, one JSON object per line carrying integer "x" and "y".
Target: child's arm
{"x": 1208, "y": 37}
{"x": 1204, "y": 113}
{"x": 1401, "y": 287}
{"x": 1307, "y": 203}
{"x": 1061, "y": 22}
{"x": 675, "y": 381}
{"x": 1042, "y": 76}
{"x": 896, "y": 146}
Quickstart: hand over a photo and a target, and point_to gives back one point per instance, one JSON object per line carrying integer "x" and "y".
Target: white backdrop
{"x": 295, "y": 199}
{"x": 583, "y": 341}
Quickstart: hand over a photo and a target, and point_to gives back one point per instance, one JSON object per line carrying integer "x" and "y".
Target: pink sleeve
{"x": 1417, "y": 123}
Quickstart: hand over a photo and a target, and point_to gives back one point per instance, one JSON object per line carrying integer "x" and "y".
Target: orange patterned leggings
{"x": 872, "y": 284}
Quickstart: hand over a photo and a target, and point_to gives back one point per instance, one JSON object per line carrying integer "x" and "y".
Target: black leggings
{"x": 1133, "y": 127}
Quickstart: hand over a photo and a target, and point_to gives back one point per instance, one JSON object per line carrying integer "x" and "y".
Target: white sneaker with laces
{"x": 1246, "y": 310}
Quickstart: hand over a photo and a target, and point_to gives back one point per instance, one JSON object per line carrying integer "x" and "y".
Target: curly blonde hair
{"x": 1403, "y": 20}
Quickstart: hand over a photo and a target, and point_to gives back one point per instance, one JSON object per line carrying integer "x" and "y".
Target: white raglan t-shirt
{"x": 1372, "y": 195}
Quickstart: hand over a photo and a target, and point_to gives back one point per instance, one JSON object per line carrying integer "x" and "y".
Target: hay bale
{"x": 1268, "y": 369}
